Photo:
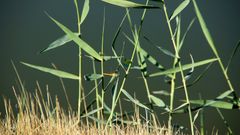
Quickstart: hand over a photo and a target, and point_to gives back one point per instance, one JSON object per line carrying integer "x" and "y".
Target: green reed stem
{"x": 79, "y": 62}
{"x": 124, "y": 80}
{"x": 182, "y": 74}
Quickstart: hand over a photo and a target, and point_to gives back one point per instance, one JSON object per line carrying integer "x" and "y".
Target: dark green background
{"x": 25, "y": 30}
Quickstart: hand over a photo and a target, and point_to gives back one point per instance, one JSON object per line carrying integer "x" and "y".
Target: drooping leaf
{"x": 179, "y": 9}
{"x": 184, "y": 67}
{"x": 85, "y": 11}
{"x": 205, "y": 29}
{"x": 92, "y": 77}
{"x": 189, "y": 74}
{"x": 57, "y": 43}
{"x": 55, "y": 72}
{"x": 134, "y": 100}
{"x": 128, "y": 4}
{"x": 82, "y": 44}
{"x": 157, "y": 101}
{"x": 165, "y": 51}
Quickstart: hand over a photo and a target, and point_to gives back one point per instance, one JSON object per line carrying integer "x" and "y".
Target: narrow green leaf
{"x": 91, "y": 77}
{"x": 57, "y": 43}
{"x": 184, "y": 67}
{"x": 165, "y": 51}
{"x": 157, "y": 101}
{"x": 55, "y": 72}
{"x": 85, "y": 11}
{"x": 185, "y": 34}
{"x": 224, "y": 94}
{"x": 205, "y": 29}
{"x": 134, "y": 100}
{"x": 128, "y": 4}
{"x": 179, "y": 9}
{"x": 82, "y": 44}
{"x": 213, "y": 103}
{"x": 161, "y": 92}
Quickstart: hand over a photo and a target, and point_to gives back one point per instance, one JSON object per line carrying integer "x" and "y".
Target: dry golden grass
{"x": 35, "y": 117}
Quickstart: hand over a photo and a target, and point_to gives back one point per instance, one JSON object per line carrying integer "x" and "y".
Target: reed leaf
{"x": 184, "y": 67}
{"x": 82, "y": 44}
{"x": 204, "y": 28}
{"x": 54, "y": 72}
{"x": 57, "y": 43}
{"x": 128, "y": 4}
{"x": 215, "y": 104}
{"x": 92, "y": 77}
{"x": 179, "y": 9}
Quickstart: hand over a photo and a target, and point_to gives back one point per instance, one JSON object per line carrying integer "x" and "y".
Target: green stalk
{"x": 79, "y": 62}
{"x": 102, "y": 53}
{"x": 96, "y": 86}
{"x": 182, "y": 74}
{"x": 144, "y": 78}
{"x": 123, "y": 82}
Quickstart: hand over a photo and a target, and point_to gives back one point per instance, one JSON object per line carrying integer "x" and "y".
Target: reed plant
{"x": 37, "y": 115}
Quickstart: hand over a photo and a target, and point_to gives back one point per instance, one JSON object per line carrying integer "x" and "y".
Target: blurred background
{"x": 25, "y": 30}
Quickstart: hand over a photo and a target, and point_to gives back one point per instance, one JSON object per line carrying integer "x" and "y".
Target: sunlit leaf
{"x": 57, "y": 43}
{"x": 82, "y": 44}
{"x": 55, "y": 72}
{"x": 128, "y": 4}
{"x": 179, "y": 9}
{"x": 157, "y": 101}
{"x": 184, "y": 67}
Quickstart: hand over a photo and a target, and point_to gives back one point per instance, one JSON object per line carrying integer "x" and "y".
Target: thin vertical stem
{"x": 79, "y": 62}
{"x": 181, "y": 71}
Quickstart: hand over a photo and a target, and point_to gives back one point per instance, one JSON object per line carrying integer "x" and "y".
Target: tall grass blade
{"x": 184, "y": 67}
{"x": 57, "y": 43}
{"x": 232, "y": 55}
{"x": 54, "y": 72}
{"x": 134, "y": 100}
{"x": 82, "y": 44}
{"x": 189, "y": 74}
{"x": 85, "y": 11}
{"x": 179, "y": 9}
{"x": 91, "y": 112}
{"x": 128, "y": 4}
